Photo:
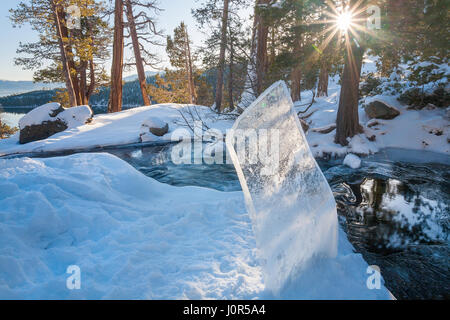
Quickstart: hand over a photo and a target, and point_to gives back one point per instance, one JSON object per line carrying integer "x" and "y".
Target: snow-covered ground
{"x": 135, "y": 238}
{"x": 114, "y": 129}
{"x": 412, "y": 129}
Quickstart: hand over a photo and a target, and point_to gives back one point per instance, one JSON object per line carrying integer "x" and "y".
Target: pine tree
{"x": 172, "y": 87}
{"x": 142, "y": 28}
{"x": 221, "y": 66}
{"x": 71, "y": 50}
{"x": 115, "y": 98}
{"x": 57, "y": 11}
{"x": 225, "y": 49}
{"x": 179, "y": 52}
{"x": 347, "y": 121}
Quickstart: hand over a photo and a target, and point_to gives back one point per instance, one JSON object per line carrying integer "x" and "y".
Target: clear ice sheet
{"x": 292, "y": 209}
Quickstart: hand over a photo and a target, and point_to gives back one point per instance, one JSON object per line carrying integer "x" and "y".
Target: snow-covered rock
{"x": 48, "y": 119}
{"x": 152, "y": 129}
{"x": 352, "y": 161}
{"x": 381, "y": 110}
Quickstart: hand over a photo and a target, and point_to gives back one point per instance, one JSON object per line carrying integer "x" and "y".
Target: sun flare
{"x": 344, "y": 20}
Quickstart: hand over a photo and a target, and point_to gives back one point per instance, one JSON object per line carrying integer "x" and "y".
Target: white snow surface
{"x": 352, "y": 161}
{"x": 112, "y": 129}
{"x": 153, "y": 122}
{"x": 136, "y": 238}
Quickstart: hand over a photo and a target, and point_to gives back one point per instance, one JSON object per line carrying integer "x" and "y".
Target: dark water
{"x": 395, "y": 212}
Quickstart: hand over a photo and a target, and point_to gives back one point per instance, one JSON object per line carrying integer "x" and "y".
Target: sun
{"x": 344, "y": 20}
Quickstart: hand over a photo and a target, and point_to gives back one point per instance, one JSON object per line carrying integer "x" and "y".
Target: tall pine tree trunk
{"x": 322, "y": 87}
{"x": 64, "y": 62}
{"x": 262, "y": 31}
{"x": 347, "y": 121}
{"x": 296, "y": 73}
{"x": 137, "y": 53}
{"x": 221, "y": 66}
{"x": 296, "y": 79}
{"x": 115, "y": 98}
{"x": 230, "y": 77}
{"x": 69, "y": 56}
{"x": 92, "y": 82}
{"x": 248, "y": 94}
{"x": 83, "y": 82}
{"x": 189, "y": 70}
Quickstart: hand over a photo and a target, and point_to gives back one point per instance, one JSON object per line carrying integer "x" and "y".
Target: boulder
{"x": 51, "y": 118}
{"x": 381, "y": 110}
{"x": 153, "y": 128}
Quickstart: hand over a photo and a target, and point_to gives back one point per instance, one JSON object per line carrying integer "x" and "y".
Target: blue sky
{"x": 174, "y": 12}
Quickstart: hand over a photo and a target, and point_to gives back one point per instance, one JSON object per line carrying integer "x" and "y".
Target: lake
{"x": 12, "y": 115}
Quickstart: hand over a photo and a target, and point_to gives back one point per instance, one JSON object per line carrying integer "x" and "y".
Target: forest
{"x": 301, "y": 42}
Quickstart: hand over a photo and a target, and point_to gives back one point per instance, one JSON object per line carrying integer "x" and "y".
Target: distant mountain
{"x": 135, "y": 76}
{"x": 8, "y": 87}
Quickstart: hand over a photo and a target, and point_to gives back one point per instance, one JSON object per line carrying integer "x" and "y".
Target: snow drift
{"x": 136, "y": 238}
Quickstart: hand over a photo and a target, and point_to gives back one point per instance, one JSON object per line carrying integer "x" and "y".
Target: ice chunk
{"x": 292, "y": 207}
{"x": 353, "y": 161}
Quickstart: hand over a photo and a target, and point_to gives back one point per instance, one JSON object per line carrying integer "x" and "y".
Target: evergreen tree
{"x": 226, "y": 49}
{"x": 142, "y": 28}
{"x": 115, "y": 98}
{"x": 65, "y": 52}
{"x": 179, "y": 52}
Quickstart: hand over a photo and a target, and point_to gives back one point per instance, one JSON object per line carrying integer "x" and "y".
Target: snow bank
{"x": 426, "y": 130}
{"x": 136, "y": 238}
{"x": 132, "y": 237}
{"x": 112, "y": 129}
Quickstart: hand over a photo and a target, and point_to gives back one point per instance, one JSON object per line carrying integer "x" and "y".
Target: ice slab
{"x": 290, "y": 203}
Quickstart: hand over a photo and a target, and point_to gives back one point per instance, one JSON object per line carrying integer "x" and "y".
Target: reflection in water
{"x": 397, "y": 215}
{"x": 386, "y": 215}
